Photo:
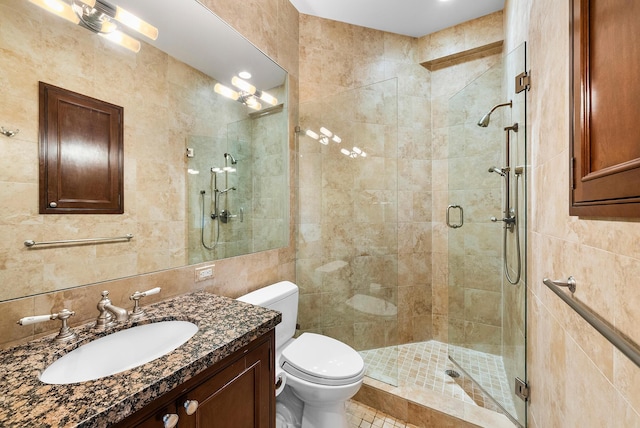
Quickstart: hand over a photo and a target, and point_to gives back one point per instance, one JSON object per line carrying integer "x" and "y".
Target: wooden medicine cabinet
{"x": 81, "y": 154}
{"x": 605, "y": 104}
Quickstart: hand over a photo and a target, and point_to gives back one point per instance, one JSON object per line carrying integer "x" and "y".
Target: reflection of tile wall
{"x": 233, "y": 276}
{"x": 145, "y": 85}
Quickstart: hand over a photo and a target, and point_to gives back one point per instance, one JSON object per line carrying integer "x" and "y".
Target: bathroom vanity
{"x": 227, "y": 367}
{"x": 236, "y": 392}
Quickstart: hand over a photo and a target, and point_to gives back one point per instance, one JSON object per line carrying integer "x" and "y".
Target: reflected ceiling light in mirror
{"x": 101, "y": 18}
{"x": 324, "y": 137}
{"x": 354, "y": 153}
{"x": 248, "y": 94}
{"x": 251, "y": 91}
{"x": 312, "y": 134}
{"x": 245, "y": 75}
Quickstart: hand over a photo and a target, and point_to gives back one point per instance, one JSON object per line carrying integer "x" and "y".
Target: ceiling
{"x": 413, "y": 18}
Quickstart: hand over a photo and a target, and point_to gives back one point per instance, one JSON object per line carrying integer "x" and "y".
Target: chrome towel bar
{"x": 30, "y": 243}
{"x": 617, "y": 339}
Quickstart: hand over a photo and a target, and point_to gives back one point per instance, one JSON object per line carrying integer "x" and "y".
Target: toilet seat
{"x": 322, "y": 360}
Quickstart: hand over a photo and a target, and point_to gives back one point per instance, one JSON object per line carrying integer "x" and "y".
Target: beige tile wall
{"x": 576, "y": 377}
{"x": 277, "y": 36}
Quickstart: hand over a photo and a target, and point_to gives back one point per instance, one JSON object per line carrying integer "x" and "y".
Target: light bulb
{"x": 226, "y": 92}
{"x": 242, "y": 85}
{"x": 245, "y": 75}
{"x": 268, "y": 98}
{"x": 59, "y": 8}
{"x": 326, "y": 132}
{"x": 123, "y": 40}
{"x": 337, "y": 139}
{"x": 345, "y": 152}
{"x": 251, "y": 102}
{"x": 357, "y": 150}
{"x": 135, "y": 23}
{"x": 324, "y": 140}
{"x": 90, "y": 3}
{"x": 312, "y": 134}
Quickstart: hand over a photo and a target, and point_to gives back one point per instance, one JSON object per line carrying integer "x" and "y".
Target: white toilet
{"x": 321, "y": 373}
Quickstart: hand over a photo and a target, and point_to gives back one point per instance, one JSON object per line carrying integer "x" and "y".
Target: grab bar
{"x": 31, "y": 243}
{"x": 617, "y": 339}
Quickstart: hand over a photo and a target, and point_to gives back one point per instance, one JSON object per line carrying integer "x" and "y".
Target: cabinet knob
{"x": 190, "y": 406}
{"x": 170, "y": 420}
{"x": 53, "y": 204}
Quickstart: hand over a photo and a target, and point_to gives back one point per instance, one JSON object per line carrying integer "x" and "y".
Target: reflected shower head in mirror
{"x": 484, "y": 122}
{"x": 226, "y": 190}
{"x": 230, "y": 156}
{"x": 497, "y": 170}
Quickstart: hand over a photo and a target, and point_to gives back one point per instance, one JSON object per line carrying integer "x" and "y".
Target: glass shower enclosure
{"x": 487, "y": 232}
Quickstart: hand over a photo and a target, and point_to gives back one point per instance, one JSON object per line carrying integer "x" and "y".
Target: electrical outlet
{"x": 204, "y": 273}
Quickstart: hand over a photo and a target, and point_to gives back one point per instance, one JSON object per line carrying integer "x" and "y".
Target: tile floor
{"x": 424, "y": 364}
{"x": 361, "y": 416}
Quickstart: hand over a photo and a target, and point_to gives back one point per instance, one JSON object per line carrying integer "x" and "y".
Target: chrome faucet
{"x": 109, "y": 314}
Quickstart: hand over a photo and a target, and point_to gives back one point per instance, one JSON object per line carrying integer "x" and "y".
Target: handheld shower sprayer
{"x": 484, "y": 122}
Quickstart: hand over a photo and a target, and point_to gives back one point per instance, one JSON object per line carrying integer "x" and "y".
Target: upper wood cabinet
{"x": 81, "y": 154}
{"x": 605, "y": 107}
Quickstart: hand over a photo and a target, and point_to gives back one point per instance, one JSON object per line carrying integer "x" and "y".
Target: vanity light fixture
{"x": 102, "y": 18}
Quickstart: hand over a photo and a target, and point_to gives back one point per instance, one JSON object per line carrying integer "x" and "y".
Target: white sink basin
{"x": 118, "y": 352}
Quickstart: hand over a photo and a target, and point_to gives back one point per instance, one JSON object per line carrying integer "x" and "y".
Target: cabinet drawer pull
{"x": 279, "y": 382}
{"x": 170, "y": 420}
{"x": 190, "y": 407}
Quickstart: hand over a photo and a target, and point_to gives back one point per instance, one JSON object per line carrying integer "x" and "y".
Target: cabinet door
{"x": 81, "y": 154}
{"x": 240, "y": 396}
{"x": 605, "y": 180}
{"x": 153, "y": 419}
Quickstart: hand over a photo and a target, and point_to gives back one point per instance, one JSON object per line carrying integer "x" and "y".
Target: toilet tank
{"x": 282, "y": 297}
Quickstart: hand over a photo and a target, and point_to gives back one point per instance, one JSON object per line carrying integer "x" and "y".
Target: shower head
{"x": 484, "y": 122}
{"x": 230, "y": 156}
{"x": 226, "y": 190}
{"x": 497, "y": 170}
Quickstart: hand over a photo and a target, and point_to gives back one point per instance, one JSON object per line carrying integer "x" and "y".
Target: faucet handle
{"x": 65, "y": 334}
{"x": 137, "y": 311}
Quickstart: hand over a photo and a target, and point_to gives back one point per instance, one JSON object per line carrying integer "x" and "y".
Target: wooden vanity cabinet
{"x": 237, "y": 392}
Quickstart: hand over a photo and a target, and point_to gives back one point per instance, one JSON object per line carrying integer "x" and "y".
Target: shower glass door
{"x": 347, "y": 261}
{"x": 486, "y": 311}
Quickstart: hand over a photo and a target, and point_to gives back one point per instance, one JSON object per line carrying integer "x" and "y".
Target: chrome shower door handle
{"x": 455, "y": 225}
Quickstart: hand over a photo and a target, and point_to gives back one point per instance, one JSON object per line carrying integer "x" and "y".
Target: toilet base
{"x": 332, "y": 415}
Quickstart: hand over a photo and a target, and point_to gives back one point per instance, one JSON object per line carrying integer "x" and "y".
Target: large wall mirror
{"x": 205, "y": 176}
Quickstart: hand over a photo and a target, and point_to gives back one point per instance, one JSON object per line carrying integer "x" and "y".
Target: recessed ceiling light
{"x": 245, "y": 75}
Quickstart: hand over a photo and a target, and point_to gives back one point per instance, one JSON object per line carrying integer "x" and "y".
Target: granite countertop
{"x": 225, "y": 325}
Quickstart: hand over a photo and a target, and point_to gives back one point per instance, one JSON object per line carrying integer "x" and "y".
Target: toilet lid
{"x": 323, "y": 360}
